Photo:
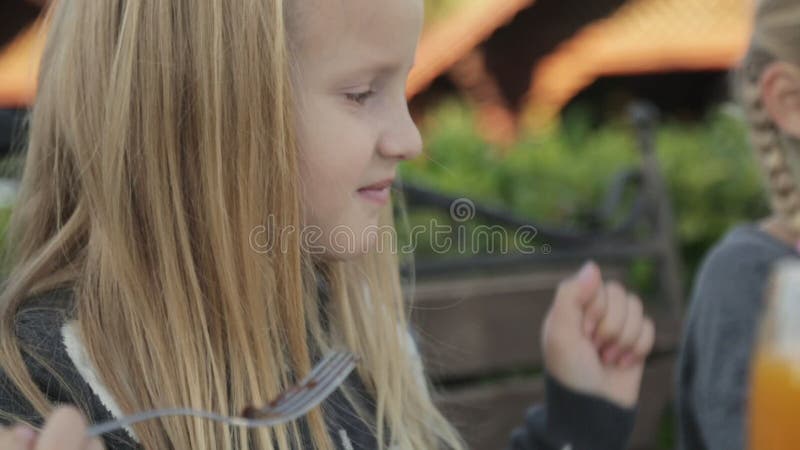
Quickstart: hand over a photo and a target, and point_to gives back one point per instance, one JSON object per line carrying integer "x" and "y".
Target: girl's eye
{"x": 360, "y": 97}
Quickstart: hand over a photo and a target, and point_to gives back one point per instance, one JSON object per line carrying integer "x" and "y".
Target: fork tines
{"x": 325, "y": 377}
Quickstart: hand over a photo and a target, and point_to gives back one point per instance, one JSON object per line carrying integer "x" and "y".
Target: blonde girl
{"x": 728, "y": 295}
{"x": 177, "y": 150}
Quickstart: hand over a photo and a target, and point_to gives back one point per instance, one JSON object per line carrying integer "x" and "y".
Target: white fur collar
{"x": 77, "y": 353}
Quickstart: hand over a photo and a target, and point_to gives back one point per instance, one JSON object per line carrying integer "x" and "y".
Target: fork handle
{"x": 111, "y": 425}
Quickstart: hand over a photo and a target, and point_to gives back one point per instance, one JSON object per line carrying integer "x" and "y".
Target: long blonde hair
{"x": 776, "y": 37}
{"x": 161, "y": 137}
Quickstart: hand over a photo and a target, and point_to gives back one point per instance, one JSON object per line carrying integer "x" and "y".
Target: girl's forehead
{"x": 326, "y": 29}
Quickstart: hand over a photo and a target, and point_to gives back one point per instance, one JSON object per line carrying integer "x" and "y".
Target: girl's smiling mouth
{"x": 378, "y": 193}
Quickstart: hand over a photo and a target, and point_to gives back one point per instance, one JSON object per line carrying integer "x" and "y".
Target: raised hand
{"x": 596, "y": 338}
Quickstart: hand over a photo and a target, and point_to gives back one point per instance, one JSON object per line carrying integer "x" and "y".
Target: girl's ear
{"x": 780, "y": 94}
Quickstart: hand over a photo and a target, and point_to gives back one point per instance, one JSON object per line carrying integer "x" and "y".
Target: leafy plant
{"x": 556, "y": 177}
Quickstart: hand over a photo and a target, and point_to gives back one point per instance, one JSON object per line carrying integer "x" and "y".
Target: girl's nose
{"x": 402, "y": 139}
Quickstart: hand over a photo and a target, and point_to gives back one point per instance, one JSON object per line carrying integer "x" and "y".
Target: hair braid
{"x": 770, "y": 145}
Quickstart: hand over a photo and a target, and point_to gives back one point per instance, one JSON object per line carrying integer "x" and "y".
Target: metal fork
{"x": 296, "y": 401}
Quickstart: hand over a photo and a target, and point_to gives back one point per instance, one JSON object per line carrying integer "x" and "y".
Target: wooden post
{"x": 645, "y": 118}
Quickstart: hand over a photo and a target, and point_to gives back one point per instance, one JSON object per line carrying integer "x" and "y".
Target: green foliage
{"x": 5, "y": 216}
{"x": 559, "y": 176}
{"x": 667, "y": 439}
{"x": 713, "y": 180}
{"x": 547, "y": 177}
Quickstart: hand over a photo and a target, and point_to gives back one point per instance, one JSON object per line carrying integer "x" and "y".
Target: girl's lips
{"x": 378, "y": 196}
{"x": 380, "y": 185}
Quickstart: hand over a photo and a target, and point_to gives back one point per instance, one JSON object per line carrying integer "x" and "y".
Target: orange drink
{"x": 774, "y": 396}
{"x": 774, "y": 418}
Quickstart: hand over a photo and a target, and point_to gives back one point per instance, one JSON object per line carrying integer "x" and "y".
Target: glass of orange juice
{"x": 774, "y": 400}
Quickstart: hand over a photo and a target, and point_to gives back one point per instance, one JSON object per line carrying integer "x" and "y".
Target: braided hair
{"x": 778, "y": 154}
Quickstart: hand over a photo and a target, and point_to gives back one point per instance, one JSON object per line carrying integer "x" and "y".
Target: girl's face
{"x": 353, "y": 59}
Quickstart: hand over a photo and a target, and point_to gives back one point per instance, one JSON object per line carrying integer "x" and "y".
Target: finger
{"x": 65, "y": 429}
{"x": 25, "y": 435}
{"x": 634, "y": 322}
{"x": 575, "y": 292}
{"x": 595, "y": 311}
{"x": 646, "y": 340}
{"x": 644, "y": 345}
{"x": 613, "y": 321}
{"x": 17, "y": 437}
{"x": 9, "y": 440}
{"x": 96, "y": 444}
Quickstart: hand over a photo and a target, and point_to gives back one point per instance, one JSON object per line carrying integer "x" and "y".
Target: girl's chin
{"x": 350, "y": 245}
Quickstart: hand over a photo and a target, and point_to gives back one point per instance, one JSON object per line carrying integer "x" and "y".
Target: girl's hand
{"x": 596, "y": 338}
{"x": 65, "y": 429}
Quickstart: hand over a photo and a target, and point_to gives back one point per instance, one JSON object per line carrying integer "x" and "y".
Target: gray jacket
{"x": 718, "y": 339}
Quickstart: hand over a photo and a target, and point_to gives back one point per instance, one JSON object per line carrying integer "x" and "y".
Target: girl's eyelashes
{"x": 360, "y": 97}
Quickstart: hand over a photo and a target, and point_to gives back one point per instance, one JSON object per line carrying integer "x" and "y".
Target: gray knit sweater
{"x": 569, "y": 421}
{"x": 713, "y": 367}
